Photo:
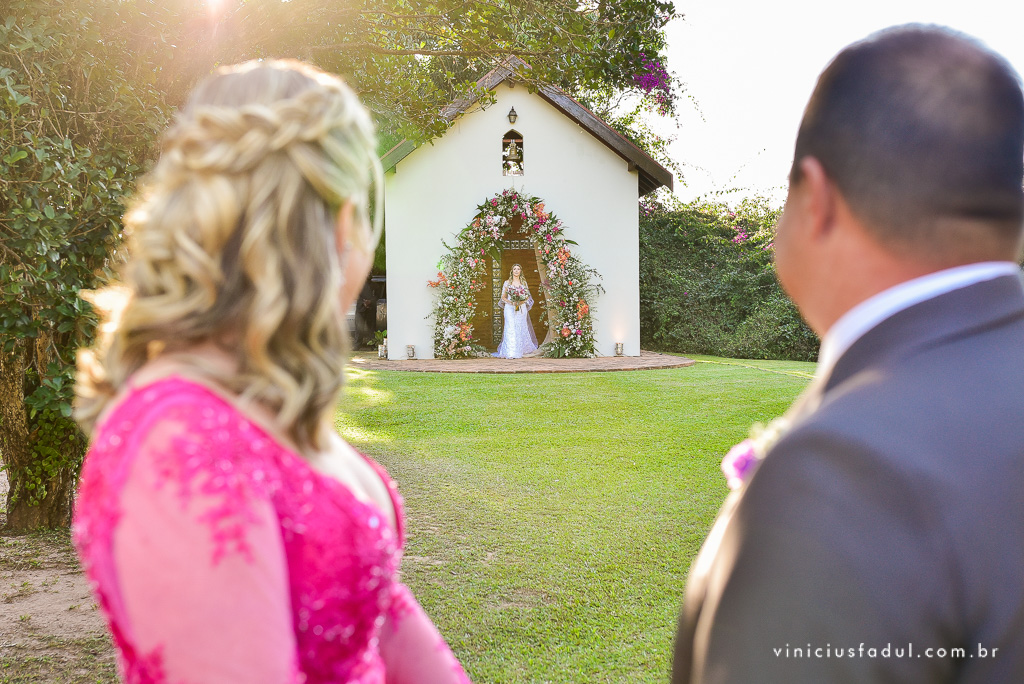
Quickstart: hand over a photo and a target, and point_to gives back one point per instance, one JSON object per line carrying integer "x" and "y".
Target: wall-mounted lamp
{"x": 410, "y": 351}
{"x": 512, "y": 116}
{"x": 618, "y": 349}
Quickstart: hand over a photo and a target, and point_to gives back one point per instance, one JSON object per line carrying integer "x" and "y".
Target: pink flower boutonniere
{"x": 744, "y": 458}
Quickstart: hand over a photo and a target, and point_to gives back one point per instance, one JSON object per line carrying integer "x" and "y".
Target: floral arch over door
{"x": 568, "y": 284}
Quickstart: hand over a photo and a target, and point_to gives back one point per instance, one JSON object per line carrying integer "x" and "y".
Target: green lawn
{"x": 552, "y": 517}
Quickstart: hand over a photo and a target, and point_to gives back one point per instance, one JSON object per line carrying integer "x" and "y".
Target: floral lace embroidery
{"x": 147, "y": 669}
{"x": 342, "y": 556}
{"x": 402, "y": 605}
{"x": 222, "y": 461}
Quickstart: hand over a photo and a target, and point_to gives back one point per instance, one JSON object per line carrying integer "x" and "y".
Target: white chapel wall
{"x": 435, "y": 191}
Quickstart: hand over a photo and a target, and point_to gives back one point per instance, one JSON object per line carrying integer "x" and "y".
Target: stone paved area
{"x": 646, "y": 361}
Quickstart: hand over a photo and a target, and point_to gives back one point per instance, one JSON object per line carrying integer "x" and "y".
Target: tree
{"x": 87, "y": 85}
{"x": 78, "y": 117}
{"x": 408, "y": 59}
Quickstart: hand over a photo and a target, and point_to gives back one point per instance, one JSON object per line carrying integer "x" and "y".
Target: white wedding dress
{"x": 518, "y": 338}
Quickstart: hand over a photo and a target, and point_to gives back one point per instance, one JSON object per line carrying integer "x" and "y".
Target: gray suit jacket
{"x": 891, "y": 517}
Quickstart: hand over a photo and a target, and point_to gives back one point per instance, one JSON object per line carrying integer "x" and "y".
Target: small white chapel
{"x": 543, "y": 144}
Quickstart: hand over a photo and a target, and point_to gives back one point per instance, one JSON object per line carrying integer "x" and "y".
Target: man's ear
{"x": 821, "y": 197}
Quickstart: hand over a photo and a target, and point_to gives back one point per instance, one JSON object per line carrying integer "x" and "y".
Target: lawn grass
{"x": 552, "y": 518}
{"x": 86, "y": 660}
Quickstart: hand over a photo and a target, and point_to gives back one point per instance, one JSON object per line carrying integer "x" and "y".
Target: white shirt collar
{"x": 872, "y": 311}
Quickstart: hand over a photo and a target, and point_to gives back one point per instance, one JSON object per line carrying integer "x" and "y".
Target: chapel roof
{"x": 652, "y": 175}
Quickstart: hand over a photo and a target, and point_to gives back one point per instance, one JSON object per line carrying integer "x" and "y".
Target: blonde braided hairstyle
{"x": 232, "y": 236}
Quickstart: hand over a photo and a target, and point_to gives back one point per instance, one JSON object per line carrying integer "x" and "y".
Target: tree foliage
{"x": 410, "y": 58}
{"x": 78, "y": 117}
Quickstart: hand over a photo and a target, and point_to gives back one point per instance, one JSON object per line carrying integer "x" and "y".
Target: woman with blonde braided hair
{"x": 517, "y": 339}
{"x": 230, "y": 534}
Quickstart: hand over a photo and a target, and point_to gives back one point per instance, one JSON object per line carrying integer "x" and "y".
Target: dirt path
{"x": 50, "y": 628}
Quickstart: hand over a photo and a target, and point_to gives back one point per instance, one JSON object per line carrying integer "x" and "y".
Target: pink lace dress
{"x": 217, "y": 555}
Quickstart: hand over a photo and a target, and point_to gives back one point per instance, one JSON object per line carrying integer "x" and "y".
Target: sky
{"x": 749, "y": 67}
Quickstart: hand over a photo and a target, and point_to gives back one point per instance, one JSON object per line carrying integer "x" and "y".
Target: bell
{"x": 513, "y": 153}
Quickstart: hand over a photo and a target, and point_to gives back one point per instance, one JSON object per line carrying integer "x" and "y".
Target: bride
{"x": 518, "y": 339}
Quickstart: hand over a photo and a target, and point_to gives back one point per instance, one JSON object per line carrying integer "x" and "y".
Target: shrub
{"x": 707, "y": 284}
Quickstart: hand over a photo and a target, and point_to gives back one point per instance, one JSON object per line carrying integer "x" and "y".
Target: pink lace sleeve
{"x": 412, "y": 649}
{"x": 200, "y": 558}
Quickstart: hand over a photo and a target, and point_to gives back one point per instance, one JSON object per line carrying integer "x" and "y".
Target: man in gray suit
{"x": 881, "y": 538}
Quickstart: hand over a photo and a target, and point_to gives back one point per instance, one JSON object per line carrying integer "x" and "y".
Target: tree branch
{"x": 426, "y": 52}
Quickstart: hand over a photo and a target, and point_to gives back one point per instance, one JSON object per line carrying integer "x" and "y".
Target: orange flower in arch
{"x": 582, "y": 309}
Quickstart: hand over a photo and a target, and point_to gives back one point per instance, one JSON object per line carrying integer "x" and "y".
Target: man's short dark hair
{"x": 917, "y": 125}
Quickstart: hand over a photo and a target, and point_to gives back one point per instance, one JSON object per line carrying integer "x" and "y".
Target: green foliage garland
{"x": 461, "y": 274}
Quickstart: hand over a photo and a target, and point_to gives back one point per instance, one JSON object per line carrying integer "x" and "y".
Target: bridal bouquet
{"x": 517, "y": 295}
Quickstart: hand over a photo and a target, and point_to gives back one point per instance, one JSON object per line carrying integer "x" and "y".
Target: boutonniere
{"x": 744, "y": 458}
